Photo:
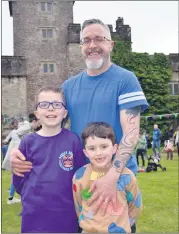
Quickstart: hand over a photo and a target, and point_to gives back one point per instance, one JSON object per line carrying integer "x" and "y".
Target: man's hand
{"x": 18, "y": 163}
{"x": 104, "y": 192}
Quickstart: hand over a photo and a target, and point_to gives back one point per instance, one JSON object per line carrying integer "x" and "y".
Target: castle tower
{"x": 40, "y": 35}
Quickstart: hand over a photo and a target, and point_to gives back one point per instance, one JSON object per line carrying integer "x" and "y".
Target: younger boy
{"x": 55, "y": 153}
{"x": 100, "y": 146}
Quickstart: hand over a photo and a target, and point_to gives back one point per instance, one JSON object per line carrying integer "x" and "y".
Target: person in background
{"x": 34, "y": 122}
{"x": 177, "y": 140}
{"x": 156, "y": 139}
{"x": 15, "y": 135}
{"x": 5, "y": 143}
{"x": 169, "y": 149}
{"x": 141, "y": 148}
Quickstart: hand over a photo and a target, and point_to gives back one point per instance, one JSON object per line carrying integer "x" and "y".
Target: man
{"x": 104, "y": 92}
{"x": 156, "y": 139}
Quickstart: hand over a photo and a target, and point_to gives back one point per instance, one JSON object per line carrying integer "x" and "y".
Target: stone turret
{"x": 122, "y": 31}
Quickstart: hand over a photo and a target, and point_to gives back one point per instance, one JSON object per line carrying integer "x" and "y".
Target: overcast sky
{"x": 154, "y": 24}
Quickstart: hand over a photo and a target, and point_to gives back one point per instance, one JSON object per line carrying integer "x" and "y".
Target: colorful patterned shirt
{"x": 128, "y": 197}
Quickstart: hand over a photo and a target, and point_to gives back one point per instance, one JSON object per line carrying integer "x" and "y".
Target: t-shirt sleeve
{"x": 130, "y": 93}
{"x": 79, "y": 158}
{"x": 18, "y": 181}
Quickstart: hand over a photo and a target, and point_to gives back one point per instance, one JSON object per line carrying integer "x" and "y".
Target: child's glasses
{"x": 46, "y": 105}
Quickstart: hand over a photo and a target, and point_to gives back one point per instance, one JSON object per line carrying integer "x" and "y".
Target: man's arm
{"x": 130, "y": 123}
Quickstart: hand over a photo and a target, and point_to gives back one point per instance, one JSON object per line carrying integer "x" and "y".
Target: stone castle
{"x": 46, "y": 51}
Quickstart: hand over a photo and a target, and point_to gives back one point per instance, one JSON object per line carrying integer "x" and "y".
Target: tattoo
{"x": 129, "y": 139}
{"x": 117, "y": 163}
{"x": 132, "y": 113}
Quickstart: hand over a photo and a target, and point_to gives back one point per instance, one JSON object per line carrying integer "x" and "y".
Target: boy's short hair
{"x": 52, "y": 89}
{"x": 98, "y": 129}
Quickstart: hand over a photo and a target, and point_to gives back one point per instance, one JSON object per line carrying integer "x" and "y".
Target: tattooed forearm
{"x": 132, "y": 113}
{"x": 130, "y": 125}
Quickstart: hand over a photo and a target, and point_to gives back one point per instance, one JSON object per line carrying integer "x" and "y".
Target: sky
{"x": 154, "y": 24}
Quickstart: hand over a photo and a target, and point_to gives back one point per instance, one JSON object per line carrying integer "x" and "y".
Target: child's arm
{"x": 79, "y": 158}
{"x": 18, "y": 181}
{"x": 77, "y": 195}
{"x": 134, "y": 199}
{"x": 8, "y": 137}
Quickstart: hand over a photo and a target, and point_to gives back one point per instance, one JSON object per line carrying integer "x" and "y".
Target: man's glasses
{"x": 46, "y": 105}
{"x": 97, "y": 40}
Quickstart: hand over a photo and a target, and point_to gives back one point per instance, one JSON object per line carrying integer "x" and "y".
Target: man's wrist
{"x": 113, "y": 173}
{"x": 118, "y": 165}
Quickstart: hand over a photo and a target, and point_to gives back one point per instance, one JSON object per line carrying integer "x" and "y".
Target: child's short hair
{"x": 50, "y": 88}
{"x": 98, "y": 129}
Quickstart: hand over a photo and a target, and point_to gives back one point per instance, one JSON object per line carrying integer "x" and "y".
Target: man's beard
{"x": 95, "y": 64}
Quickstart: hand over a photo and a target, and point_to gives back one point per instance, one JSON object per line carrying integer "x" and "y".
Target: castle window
{"x": 46, "y": 6}
{"x": 47, "y": 32}
{"x": 48, "y": 67}
{"x": 173, "y": 88}
{"x": 45, "y": 68}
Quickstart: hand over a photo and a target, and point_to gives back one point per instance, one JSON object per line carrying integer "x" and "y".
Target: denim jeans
{"x": 156, "y": 144}
{"x": 12, "y": 191}
{"x": 4, "y": 150}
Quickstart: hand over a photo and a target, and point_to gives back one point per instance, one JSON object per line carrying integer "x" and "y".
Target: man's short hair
{"x": 98, "y": 129}
{"x": 96, "y": 21}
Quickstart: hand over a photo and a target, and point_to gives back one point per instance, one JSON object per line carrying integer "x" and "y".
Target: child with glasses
{"x": 55, "y": 153}
{"x": 99, "y": 146}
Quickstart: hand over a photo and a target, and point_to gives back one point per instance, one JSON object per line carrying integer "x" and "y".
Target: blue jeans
{"x": 4, "y": 150}
{"x": 12, "y": 191}
{"x": 156, "y": 144}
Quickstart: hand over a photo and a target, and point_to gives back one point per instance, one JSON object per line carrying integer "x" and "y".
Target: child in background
{"x": 169, "y": 148}
{"x": 15, "y": 135}
{"x": 99, "y": 146}
{"x": 55, "y": 153}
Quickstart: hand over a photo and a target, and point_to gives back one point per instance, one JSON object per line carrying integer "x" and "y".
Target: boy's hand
{"x": 18, "y": 163}
{"x": 104, "y": 192}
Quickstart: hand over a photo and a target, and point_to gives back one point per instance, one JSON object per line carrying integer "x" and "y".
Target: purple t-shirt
{"x": 46, "y": 191}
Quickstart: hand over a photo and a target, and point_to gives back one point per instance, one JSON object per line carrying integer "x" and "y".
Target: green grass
{"x": 160, "y": 201}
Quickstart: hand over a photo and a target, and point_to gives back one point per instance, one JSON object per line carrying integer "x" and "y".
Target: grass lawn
{"x": 160, "y": 200}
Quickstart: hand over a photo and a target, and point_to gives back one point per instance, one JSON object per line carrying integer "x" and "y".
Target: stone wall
{"x": 75, "y": 62}
{"x": 14, "y": 96}
{"x": 14, "y": 89}
{"x": 174, "y": 62}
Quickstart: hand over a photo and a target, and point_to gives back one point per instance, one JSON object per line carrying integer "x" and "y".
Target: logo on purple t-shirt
{"x": 66, "y": 161}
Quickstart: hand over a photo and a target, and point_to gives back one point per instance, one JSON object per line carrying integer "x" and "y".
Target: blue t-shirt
{"x": 100, "y": 98}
